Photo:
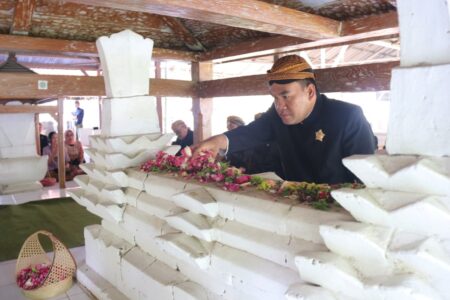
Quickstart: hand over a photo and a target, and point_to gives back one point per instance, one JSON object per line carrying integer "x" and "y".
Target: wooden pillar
{"x": 37, "y": 134}
{"x": 159, "y": 98}
{"x": 61, "y": 156}
{"x": 202, "y": 107}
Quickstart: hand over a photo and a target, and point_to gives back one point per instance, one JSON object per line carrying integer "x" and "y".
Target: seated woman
{"x": 52, "y": 151}
{"x": 75, "y": 151}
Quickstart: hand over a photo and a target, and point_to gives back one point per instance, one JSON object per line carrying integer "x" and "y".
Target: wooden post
{"x": 37, "y": 134}
{"x": 201, "y": 107}
{"x": 159, "y": 98}
{"x": 61, "y": 156}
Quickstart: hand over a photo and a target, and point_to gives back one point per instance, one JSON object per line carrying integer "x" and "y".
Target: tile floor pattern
{"x": 10, "y": 291}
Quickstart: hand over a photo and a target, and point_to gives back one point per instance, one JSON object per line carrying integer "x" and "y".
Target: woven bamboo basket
{"x": 62, "y": 265}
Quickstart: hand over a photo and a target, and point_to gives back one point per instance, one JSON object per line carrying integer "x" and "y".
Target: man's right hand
{"x": 213, "y": 144}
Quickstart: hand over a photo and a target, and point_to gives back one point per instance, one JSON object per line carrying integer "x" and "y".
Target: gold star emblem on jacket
{"x": 320, "y": 135}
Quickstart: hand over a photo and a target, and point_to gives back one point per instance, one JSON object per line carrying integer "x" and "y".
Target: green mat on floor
{"x": 63, "y": 217}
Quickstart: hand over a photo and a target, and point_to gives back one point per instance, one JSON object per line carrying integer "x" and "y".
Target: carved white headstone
{"x": 20, "y": 166}
{"x": 17, "y": 134}
{"x": 126, "y": 60}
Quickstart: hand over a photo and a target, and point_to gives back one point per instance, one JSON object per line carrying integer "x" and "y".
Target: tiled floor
{"x": 42, "y": 194}
{"x": 10, "y": 291}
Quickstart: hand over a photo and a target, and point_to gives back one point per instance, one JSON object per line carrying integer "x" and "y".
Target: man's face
{"x": 181, "y": 131}
{"x": 293, "y": 102}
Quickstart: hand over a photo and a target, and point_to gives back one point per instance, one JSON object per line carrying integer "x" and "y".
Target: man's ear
{"x": 311, "y": 91}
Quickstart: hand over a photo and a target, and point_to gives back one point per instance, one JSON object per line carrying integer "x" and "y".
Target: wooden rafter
{"x": 340, "y": 57}
{"x": 370, "y": 24}
{"x": 21, "y": 109}
{"x": 323, "y": 58}
{"x": 370, "y": 77}
{"x": 386, "y": 45}
{"x": 360, "y": 30}
{"x": 25, "y": 86}
{"x": 249, "y": 14}
{"x": 305, "y": 55}
{"x": 23, "y": 12}
{"x": 183, "y": 33}
{"x": 85, "y": 67}
{"x": 12, "y": 43}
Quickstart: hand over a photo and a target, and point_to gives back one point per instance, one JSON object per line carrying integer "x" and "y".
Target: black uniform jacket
{"x": 313, "y": 150}
{"x": 187, "y": 141}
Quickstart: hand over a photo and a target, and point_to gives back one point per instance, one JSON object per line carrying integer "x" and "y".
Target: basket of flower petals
{"x": 37, "y": 275}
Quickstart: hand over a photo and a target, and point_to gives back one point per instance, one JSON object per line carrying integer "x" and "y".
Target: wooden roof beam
{"x": 358, "y": 78}
{"x": 26, "y": 44}
{"x": 25, "y": 86}
{"x": 86, "y": 67}
{"x": 360, "y": 30}
{"x": 249, "y": 14}
{"x": 183, "y": 33}
{"x": 25, "y": 109}
{"x": 23, "y": 12}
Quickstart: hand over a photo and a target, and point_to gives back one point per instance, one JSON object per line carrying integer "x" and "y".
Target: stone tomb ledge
{"x": 21, "y": 174}
{"x": 403, "y": 173}
{"x": 250, "y": 207}
{"x": 246, "y": 240}
{"x": 155, "y": 215}
{"x": 139, "y": 275}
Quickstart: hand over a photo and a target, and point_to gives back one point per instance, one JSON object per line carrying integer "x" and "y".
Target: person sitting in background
{"x": 185, "y": 136}
{"x": 75, "y": 152}
{"x": 43, "y": 139}
{"x": 234, "y": 122}
{"x": 52, "y": 151}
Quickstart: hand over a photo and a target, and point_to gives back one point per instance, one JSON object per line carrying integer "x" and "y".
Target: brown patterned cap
{"x": 290, "y": 67}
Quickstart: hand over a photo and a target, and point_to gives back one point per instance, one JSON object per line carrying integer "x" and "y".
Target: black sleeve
{"x": 190, "y": 138}
{"x": 257, "y": 132}
{"x": 358, "y": 135}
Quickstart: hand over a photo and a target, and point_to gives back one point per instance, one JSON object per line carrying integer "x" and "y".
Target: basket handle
{"x": 24, "y": 258}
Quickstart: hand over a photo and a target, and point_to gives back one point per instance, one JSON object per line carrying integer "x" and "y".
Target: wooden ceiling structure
{"x": 61, "y": 34}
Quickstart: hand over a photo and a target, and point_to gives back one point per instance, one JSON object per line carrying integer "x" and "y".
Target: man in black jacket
{"x": 314, "y": 133}
{"x": 185, "y": 136}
